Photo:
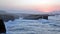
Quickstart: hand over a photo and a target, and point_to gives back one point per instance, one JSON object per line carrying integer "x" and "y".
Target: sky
{"x": 39, "y": 5}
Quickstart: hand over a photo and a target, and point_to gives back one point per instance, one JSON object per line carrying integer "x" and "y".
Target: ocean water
{"x": 41, "y": 26}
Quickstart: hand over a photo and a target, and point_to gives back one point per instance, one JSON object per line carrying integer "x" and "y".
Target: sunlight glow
{"x": 41, "y": 5}
{"x": 36, "y": 2}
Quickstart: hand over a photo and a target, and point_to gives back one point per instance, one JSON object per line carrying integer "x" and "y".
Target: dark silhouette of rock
{"x": 45, "y": 17}
{"x": 36, "y": 17}
{"x": 2, "y": 26}
{"x": 7, "y": 17}
{"x": 32, "y": 17}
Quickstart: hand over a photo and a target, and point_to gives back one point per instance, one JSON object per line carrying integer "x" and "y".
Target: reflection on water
{"x": 21, "y": 26}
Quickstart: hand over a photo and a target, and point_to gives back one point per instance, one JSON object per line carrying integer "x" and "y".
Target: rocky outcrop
{"x": 7, "y": 17}
{"x": 2, "y": 27}
{"x": 36, "y": 17}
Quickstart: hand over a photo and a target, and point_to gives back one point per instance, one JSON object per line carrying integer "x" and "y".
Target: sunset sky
{"x": 40, "y": 5}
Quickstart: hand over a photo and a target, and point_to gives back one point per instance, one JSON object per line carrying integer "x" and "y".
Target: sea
{"x": 41, "y": 26}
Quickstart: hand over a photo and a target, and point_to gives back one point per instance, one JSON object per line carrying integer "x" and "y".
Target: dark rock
{"x": 2, "y": 26}
{"x": 32, "y": 17}
{"x": 36, "y": 17}
{"x": 45, "y": 17}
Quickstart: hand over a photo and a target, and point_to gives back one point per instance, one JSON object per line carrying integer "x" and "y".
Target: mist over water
{"x": 13, "y": 9}
{"x": 41, "y": 26}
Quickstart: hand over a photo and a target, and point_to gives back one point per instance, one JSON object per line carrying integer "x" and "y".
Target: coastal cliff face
{"x": 8, "y": 16}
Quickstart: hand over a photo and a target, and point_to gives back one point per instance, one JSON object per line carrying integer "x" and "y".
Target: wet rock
{"x": 2, "y": 26}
